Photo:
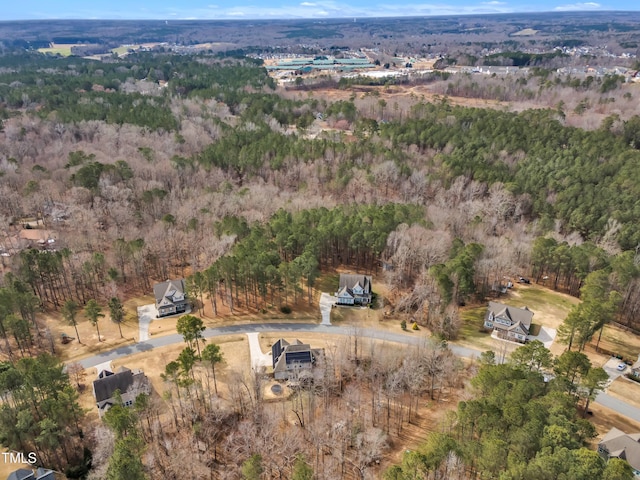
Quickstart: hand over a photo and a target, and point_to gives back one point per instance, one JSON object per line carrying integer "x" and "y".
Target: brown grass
{"x": 626, "y": 390}
{"x": 604, "y": 419}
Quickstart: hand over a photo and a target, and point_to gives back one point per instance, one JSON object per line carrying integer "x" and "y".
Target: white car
{"x": 622, "y": 367}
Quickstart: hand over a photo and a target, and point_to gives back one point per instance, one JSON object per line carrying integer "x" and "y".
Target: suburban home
{"x": 291, "y": 359}
{"x": 171, "y": 297}
{"x": 508, "y": 323}
{"x": 354, "y": 289}
{"x": 130, "y": 384}
{"x": 617, "y": 444}
{"x": 28, "y": 474}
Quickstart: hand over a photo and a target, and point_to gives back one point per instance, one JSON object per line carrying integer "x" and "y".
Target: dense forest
{"x": 154, "y": 166}
{"x": 519, "y": 425}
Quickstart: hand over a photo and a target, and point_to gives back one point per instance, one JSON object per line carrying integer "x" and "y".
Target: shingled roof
{"x": 618, "y": 444}
{"x": 169, "y": 292}
{"x": 350, "y": 280}
{"x": 106, "y": 386}
{"x": 522, "y": 316}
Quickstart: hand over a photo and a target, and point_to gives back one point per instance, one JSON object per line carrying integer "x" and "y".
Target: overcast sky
{"x": 252, "y": 9}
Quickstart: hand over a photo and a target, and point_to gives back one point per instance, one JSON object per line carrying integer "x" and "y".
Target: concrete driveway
{"x": 326, "y": 304}
{"x": 146, "y": 314}
{"x": 258, "y": 359}
{"x": 611, "y": 367}
{"x": 546, "y": 335}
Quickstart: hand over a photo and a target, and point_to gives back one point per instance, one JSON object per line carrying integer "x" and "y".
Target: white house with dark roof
{"x": 617, "y": 444}
{"x": 291, "y": 359}
{"x": 354, "y": 290}
{"x": 171, "y": 297}
{"x": 509, "y": 323}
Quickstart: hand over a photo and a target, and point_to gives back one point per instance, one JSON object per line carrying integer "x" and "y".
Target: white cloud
{"x": 308, "y": 4}
{"x": 577, "y": 6}
{"x": 494, "y": 2}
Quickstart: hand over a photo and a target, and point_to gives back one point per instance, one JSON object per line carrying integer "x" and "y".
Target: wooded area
{"x": 157, "y": 166}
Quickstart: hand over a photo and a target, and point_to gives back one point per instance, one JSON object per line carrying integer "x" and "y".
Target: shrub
{"x": 415, "y": 326}
{"x": 403, "y": 324}
{"x": 286, "y": 309}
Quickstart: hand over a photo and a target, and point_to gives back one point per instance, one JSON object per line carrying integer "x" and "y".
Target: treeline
{"x": 40, "y": 413}
{"x": 18, "y": 319}
{"x": 522, "y": 424}
{"x": 270, "y": 264}
{"x": 521, "y": 59}
{"x": 587, "y": 179}
{"x": 78, "y": 89}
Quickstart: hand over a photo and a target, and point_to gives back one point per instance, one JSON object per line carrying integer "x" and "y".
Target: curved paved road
{"x": 293, "y": 328}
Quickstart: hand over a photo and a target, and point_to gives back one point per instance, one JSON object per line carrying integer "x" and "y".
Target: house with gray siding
{"x": 354, "y": 290}
{"x": 171, "y": 297}
{"x": 508, "y": 323}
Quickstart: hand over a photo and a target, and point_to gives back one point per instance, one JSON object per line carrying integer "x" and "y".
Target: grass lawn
{"x": 63, "y": 50}
{"x": 619, "y": 342}
{"x": 549, "y": 310}
{"x": 328, "y": 283}
{"x": 120, "y": 50}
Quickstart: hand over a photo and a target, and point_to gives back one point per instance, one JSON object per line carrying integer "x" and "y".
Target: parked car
{"x": 622, "y": 367}
{"x": 524, "y": 280}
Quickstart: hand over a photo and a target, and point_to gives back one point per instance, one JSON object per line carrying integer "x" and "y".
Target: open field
{"x": 63, "y": 49}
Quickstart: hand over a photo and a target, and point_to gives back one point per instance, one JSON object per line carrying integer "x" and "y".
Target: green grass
{"x": 63, "y": 51}
{"x": 328, "y": 283}
{"x": 120, "y": 50}
{"x": 472, "y": 320}
{"x": 347, "y": 314}
{"x": 535, "y": 297}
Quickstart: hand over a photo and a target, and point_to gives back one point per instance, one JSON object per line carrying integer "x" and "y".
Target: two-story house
{"x": 290, "y": 359}
{"x": 130, "y": 384}
{"x": 617, "y": 444}
{"x": 509, "y": 323}
{"x": 171, "y": 297}
{"x": 354, "y": 290}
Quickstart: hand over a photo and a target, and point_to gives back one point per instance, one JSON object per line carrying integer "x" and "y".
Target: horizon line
{"x": 345, "y": 17}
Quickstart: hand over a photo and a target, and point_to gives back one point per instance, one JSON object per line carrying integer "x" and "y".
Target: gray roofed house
{"x": 289, "y": 359}
{"x": 27, "y": 474}
{"x": 129, "y": 382}
{"x": 354, "y": 289}
{"x": 21, "y": 474}
{"x": 509, "y": 323}
{"x": 617, "y": 444}
{"x": 171, "y": 297}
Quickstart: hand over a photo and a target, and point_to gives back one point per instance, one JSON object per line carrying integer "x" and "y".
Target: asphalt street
{"x": 293, "y": 328}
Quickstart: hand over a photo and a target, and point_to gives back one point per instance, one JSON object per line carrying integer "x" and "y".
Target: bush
{"x": 415, "y": 326}
{"x": 286, "y": 309}
{"x": 403, "y": 324}
{"x": 632, "y": 377}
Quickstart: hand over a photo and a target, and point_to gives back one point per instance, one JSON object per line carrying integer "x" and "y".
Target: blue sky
{"x": 265, "y": 9}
